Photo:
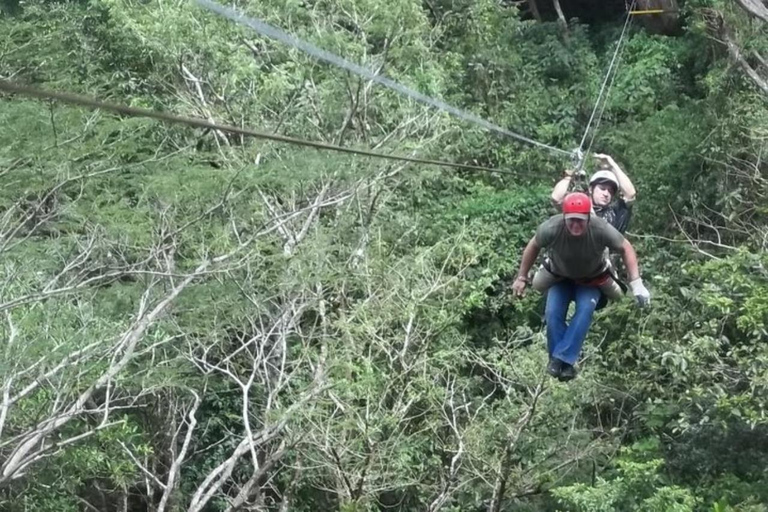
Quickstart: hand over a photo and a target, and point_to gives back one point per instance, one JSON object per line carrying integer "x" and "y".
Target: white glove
{"x": 641, "y": 293}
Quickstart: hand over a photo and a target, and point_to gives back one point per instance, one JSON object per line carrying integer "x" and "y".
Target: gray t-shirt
{"x": 578, "y": 257}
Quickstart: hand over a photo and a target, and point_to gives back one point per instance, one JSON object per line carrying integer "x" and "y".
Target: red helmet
{"x": 577, "y": 206}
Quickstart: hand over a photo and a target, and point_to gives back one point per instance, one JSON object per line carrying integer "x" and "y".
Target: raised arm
{"x": 561, "y": 188}
{"x": 625, "y": 184}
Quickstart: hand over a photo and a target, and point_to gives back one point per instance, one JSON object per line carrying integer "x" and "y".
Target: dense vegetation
{"x": 193, "y": 320}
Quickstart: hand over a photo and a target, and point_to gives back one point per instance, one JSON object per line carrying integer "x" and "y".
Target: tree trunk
{"x": 560, "y": 15}
{"x": 724, "y": 35}
{"x": 534, "y": 10}
{"x": 756, "y": 8}
{"x": 667, "y": 23}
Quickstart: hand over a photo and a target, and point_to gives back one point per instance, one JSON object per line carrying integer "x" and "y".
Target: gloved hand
{"x": 640, "y": 292}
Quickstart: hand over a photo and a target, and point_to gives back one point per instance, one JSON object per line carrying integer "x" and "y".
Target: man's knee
{"x": 587, "y": 298}
{"x": 612, "y": 290}
{"x": 543, "y": 279}
{"x": 587, "y": 304}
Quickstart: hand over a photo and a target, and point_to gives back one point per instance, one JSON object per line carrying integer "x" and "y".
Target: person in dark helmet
{"x": 610, "y": 189}
{"x": 576, "y": 241}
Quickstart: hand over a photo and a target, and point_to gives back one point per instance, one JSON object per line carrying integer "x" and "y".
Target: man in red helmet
{"x": 612, "y": 195}
{"x": 576, "y": 241}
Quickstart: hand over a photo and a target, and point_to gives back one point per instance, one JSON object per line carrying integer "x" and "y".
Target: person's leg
{"x": 611, "y": 289}
{"x": 558, "y": 298}
{"x": 543, "y": 279}
{"x": 569, "y": 348}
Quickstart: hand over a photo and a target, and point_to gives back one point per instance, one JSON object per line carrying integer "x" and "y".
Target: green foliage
{"x": 637, "y": 485}
{"x": 396, "y": 294}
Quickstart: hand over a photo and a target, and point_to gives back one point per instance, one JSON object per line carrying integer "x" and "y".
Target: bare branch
{"x": 221, "y": 473}
{"x": 218, "y": 135}
{"x": 175, "y": 468}
{"x": 29, "y": 448}
{"x": 756, "y": 8}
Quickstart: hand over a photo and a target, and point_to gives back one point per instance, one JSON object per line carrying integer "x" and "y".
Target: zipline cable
{"x": 604, "y": 87}
{"x": 275, "y": 33}
{"x": 600, "y": 115}
{"x": 84, "y": 101}
{"x": 605, "y": 102}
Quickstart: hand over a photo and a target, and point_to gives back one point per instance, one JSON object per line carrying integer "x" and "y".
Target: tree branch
{"x": 756, "y": 8}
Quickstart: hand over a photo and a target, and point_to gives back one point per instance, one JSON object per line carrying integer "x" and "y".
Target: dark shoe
{"x": 568, "y": 372}
{"x": 554, "y": 367}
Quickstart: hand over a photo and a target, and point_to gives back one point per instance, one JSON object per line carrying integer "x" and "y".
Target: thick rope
{"x": 275, "y": 33}
{"x": 84, "y": 101}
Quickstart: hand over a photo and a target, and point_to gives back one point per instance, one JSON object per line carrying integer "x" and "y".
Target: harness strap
{"x": 598, "y": 280}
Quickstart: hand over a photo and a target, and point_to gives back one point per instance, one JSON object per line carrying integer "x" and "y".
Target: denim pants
{"x": 564, "y": 341}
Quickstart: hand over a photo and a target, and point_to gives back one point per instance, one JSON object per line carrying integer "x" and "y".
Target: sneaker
{"x": 568, "y": 372}
{"x": 554, "y": 367}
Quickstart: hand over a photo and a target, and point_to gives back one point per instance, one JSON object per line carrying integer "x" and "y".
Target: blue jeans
{"x": 564, "y": 341}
